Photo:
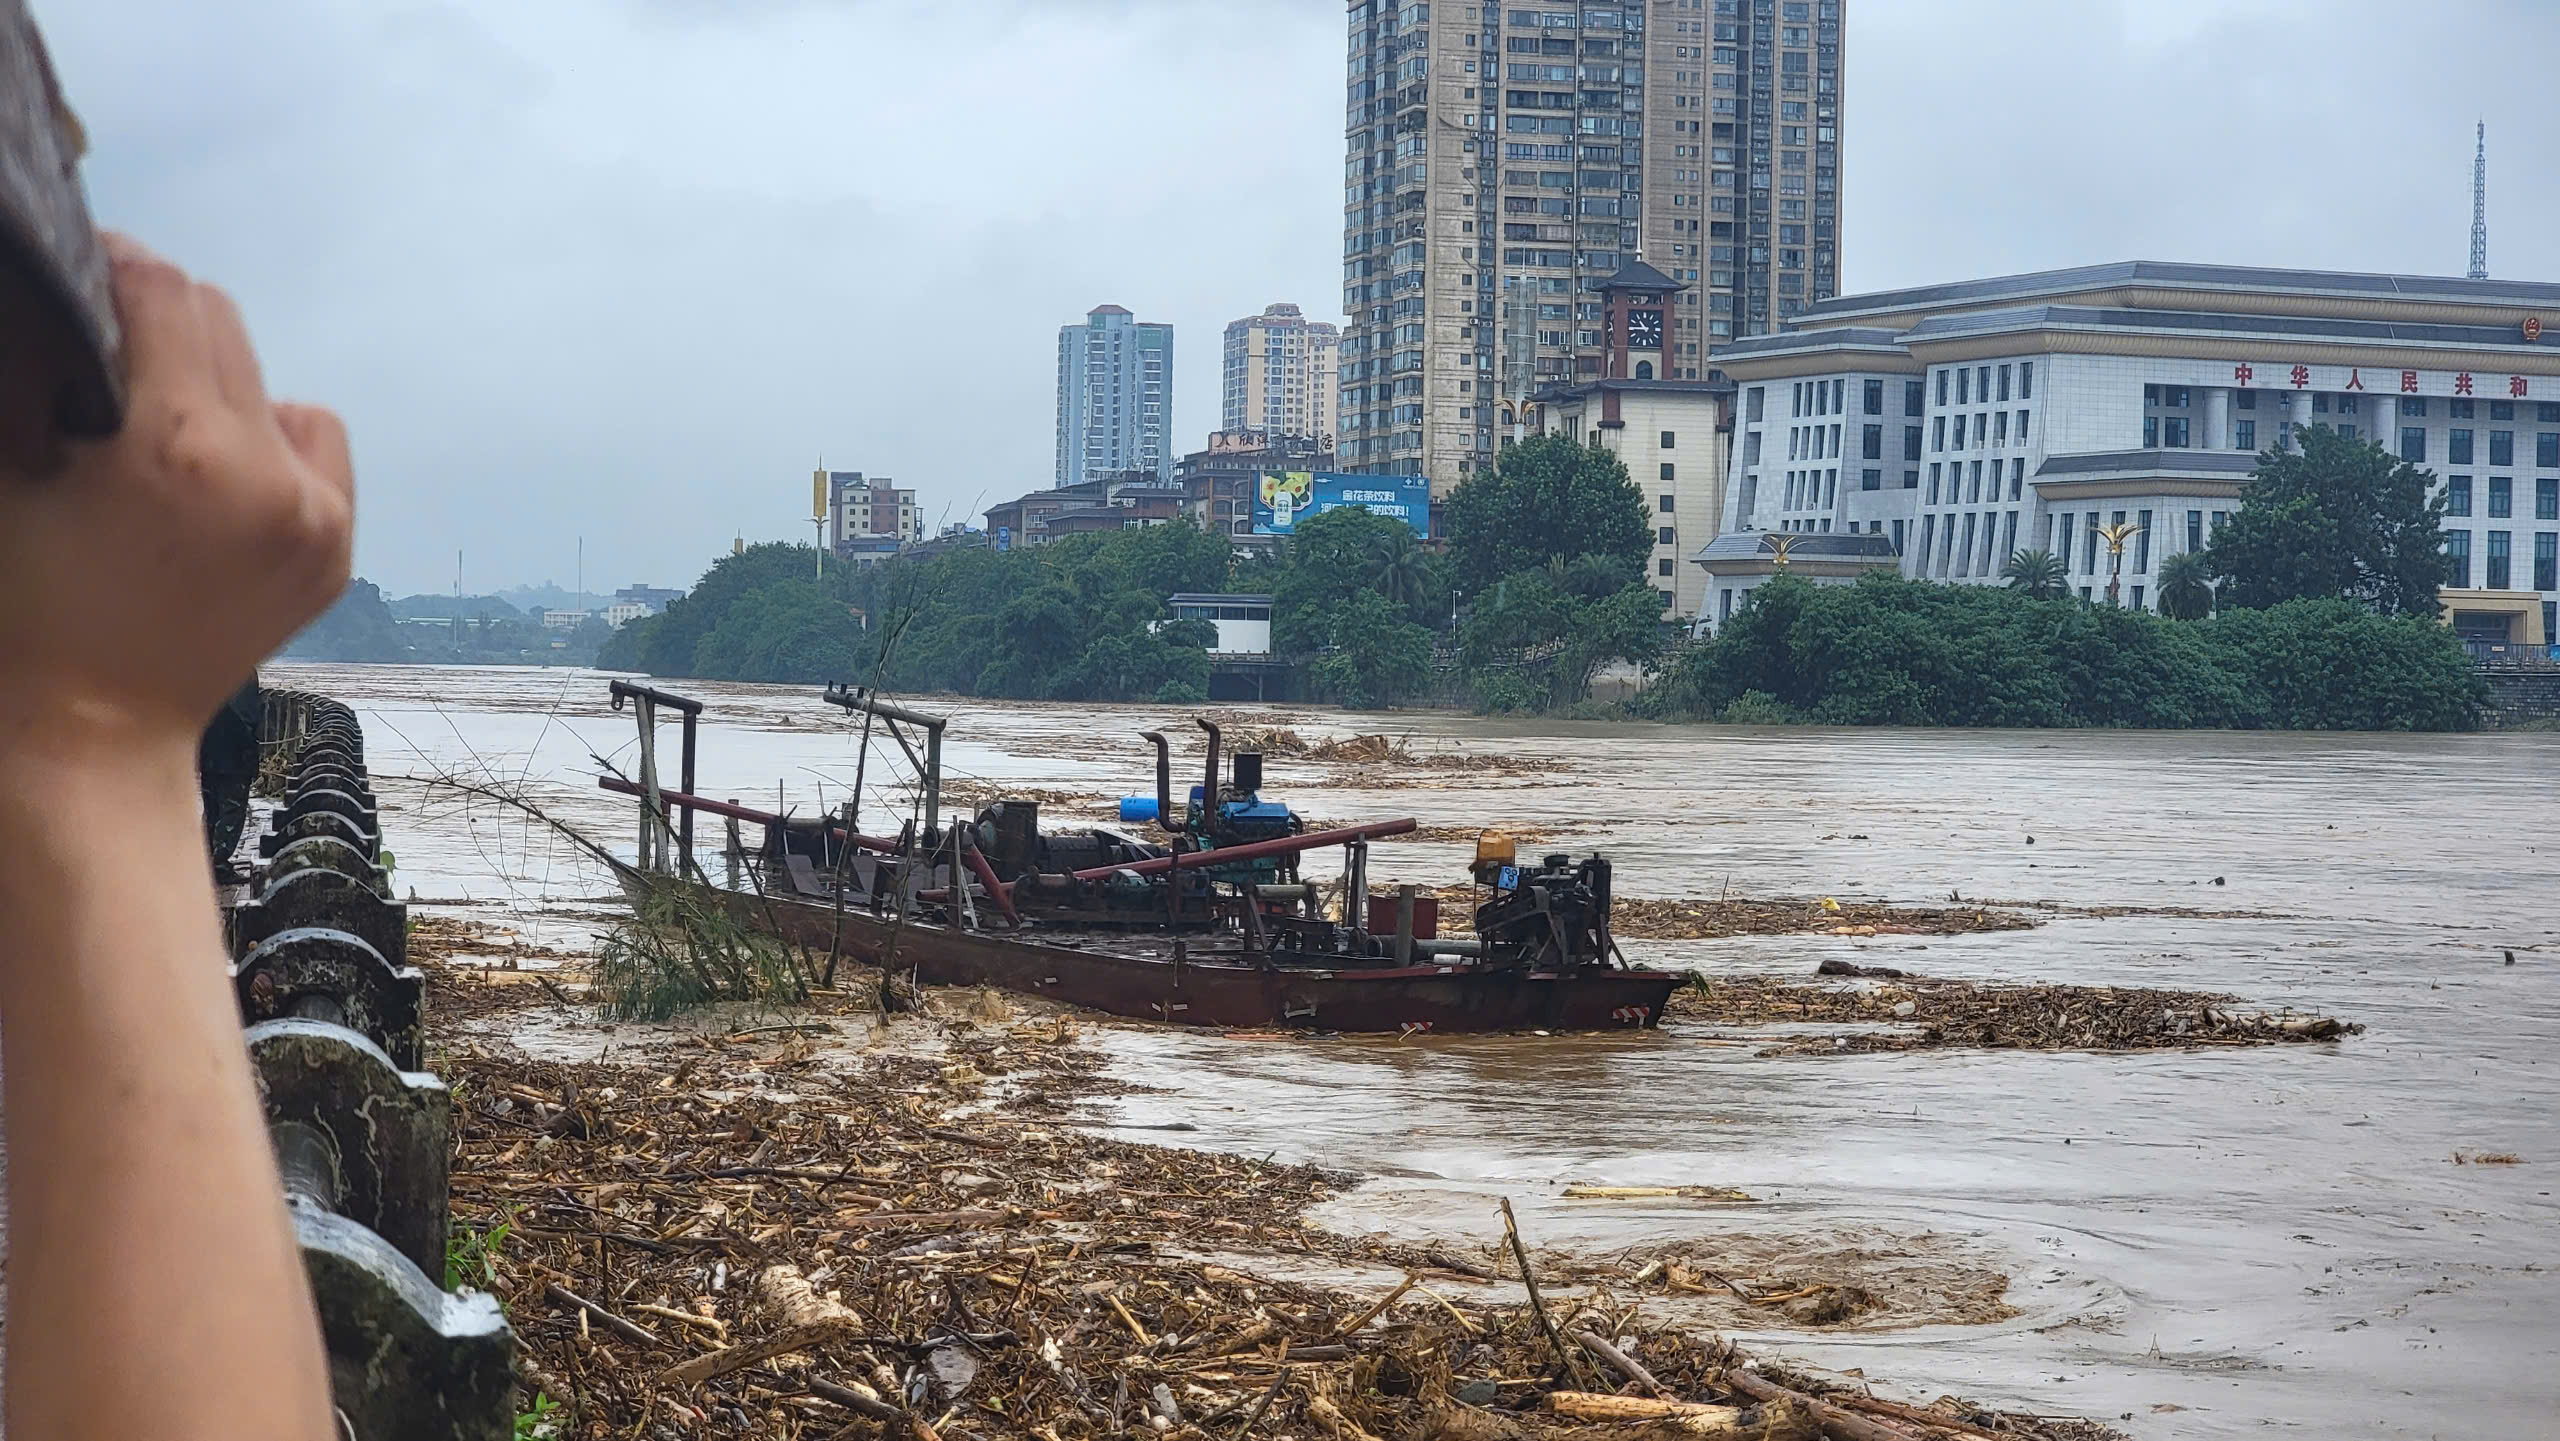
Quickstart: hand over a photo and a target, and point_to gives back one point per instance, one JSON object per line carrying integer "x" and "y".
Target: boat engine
{"x": 1552, "y": 917}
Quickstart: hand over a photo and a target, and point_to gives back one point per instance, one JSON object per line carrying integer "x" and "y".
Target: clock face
{"x": 1644, "y": 329}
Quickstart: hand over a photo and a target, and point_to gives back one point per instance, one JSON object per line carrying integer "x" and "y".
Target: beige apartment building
{"x": 1505, "y": 157}
{"x": 1281, "y": 376}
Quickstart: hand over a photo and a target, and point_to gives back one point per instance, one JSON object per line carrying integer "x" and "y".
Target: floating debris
{"x": 1941, "y": 1013}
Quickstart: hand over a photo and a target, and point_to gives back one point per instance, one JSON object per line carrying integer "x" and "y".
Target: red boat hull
{"x": 1141, "y": 977}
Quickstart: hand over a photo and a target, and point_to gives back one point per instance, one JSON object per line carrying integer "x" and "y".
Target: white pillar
{"x": 2217, "y": 419}
{"x": 2298, "y": 408}
{"x": 2386, "y": 421}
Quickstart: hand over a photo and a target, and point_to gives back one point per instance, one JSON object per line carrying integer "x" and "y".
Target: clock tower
{"x": 1637, "y": 343}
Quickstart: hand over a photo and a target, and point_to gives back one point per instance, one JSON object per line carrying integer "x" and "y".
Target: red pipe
{"x": 619, "y": 786}
{"x": 1002, "y": 893}
{"x": 1253, "y": 850}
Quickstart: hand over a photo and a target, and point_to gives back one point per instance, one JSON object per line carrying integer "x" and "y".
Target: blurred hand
{"x": 143, "y": 578}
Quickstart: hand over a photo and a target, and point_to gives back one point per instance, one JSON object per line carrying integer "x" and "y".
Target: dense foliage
{"x": 1889, "y": 651}
{"x": 2339, "y": 517}
{"x": 1546, "y": 499}
{"x": 1083, "y": 619}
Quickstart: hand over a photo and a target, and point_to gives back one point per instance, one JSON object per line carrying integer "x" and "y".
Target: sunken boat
{"x": 1206, "y": 912}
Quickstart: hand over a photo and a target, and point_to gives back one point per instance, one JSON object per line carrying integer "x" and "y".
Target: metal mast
{"x": 2480, "y": 206}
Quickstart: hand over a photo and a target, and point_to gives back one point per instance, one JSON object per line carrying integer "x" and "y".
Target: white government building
{"x": 1940, "y": 429}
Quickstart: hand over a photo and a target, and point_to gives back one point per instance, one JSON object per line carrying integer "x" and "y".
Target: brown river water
{"x": 2210, "y": 1243}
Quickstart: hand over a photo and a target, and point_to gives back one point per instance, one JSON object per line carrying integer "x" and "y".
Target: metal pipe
{"x": 1252, "y": 851}
{"x": 1209, "y": 786}
{"x": 625, "y": 690}
{"x": 1164, "y": 782}
{"x": 862, "y": 700}
{"x": 734, "y": 811}
{"x": 1448, "y": 948}
{"x": 997, "y": 891}
{"x": 1404, "y": 925}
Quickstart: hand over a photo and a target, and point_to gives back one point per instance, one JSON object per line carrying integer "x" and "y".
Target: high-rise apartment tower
{"x": 1115, "y": 397}
{"x": 1506, "y": 157}
{"x": 1281, "y": 375}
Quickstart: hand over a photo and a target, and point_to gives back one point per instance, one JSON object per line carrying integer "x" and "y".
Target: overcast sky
{"x": 627, "y": 270}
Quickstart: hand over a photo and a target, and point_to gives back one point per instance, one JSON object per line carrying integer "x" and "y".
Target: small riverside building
{"x": 1962, "y": 423}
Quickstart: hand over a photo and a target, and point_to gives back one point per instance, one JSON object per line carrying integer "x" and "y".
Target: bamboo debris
{"x": 823, "y": 1245}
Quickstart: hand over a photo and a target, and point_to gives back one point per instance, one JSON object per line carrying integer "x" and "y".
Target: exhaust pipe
{"x": 1209, "y": 785}
{"x": 1164, "y": 782}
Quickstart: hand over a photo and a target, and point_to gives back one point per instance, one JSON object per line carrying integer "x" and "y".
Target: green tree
{"x": 2338, "y": 518}
{"x": 2037, "y": 572}
{"x": 1341, "y": 554}
{"x": 2186, "y": 586}
{"x": 357, "y": 627}
{"x": 1375, "y": 657}
{"x": 1538, "y": 621}
{"x": 1546, "y": 497}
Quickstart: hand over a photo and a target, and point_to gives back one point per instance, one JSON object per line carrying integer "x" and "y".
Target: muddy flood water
{"x": 2201, "y": 1243}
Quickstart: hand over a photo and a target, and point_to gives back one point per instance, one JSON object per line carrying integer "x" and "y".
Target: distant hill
{"x": 446, "y": 607}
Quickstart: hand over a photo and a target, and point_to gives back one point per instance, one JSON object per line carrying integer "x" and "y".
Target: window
{"x": 2494, "y": 574}
{"x": 2026, "y": 380}
{"x": 1915, "y": 398}
{"x": 2413, "y": 443}
{"x": 1928, "y": 532}
{"x": 1960, "y": 420}
{"x": 1669, "y": 440}
{"x": 1759, "y": 394}
{"x": 2000, "y": 428}
{"x": 2244, "y": 435}
{"x": 1974, "y": 494}
{"x": 2457, "y": 495}
{"x": 2141, "y": 548}
{"x": 2546, "y": 567}
{"x": 2546, "y": 450}
{"x": 2195, "y": 530}
{"x": 1964, "y": 386}
{"x": 1871, "y": 443}
{"x": 2173, "y": 431}
{"x": 1933, "y": 483}
{"x": 2457, "y": 558}
{"x": 2502, "y": 410}
{"x": 1897, "y": 539}
{"x": 1665, "y": 507}
{"x": 2017, "y": 477}
{"x": 1942, "y": 387}
{"x": 2502, "y": 497}
{"x": 2547, "y": 411}
{"x": 2022, "y": 427}
{"x": 2068, "y": 521}
{"x": 1666, "y": 536}
{"x": 1937, "y": 433}
{"x": 1660, "y": 567}
{"x": 2459, "y": 409}
{"x": 2150, "y": 432}
{"x": 2546, "y": 505}
{"x": 1910, "y": 481}
{"x": 1911, "y": 442}
{"x": 2413, "y": 405}
{"x": 2009, "y": 535}
{"x": 2502, "y": 447}
{"x": 1875, "y": 397}
{"x": 1871, "y": 479}
{"x": 2089, "y": 548}
{"x": 2004, "y": 383}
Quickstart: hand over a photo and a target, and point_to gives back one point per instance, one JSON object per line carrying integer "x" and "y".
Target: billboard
{"x": 1282, "y": 498}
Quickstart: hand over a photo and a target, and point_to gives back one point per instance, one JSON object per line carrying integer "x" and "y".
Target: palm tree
{"x": 1399, "y": 568}
{"x": 2186, "y": 590}
{"x": 2037, "y": 572}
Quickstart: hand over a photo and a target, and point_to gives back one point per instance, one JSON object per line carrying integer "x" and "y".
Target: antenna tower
{"x": 2480, "y": 206}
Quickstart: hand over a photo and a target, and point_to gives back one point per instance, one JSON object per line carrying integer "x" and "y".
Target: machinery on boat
{"x": 1217, "y": 918}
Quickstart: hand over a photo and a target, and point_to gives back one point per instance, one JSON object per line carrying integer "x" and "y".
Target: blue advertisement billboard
{"x": 1285, "y": 497}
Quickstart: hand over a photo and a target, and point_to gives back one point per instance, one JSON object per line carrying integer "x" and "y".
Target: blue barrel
{"x": 1137, "y": 810}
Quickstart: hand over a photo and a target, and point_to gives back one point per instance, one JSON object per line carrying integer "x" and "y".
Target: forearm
{"x": 145, "y": 1215}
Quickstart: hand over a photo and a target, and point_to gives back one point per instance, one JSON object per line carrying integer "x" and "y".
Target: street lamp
{"x": 2115, "y": 536}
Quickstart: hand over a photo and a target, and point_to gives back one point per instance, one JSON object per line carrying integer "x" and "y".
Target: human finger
{"x": 320, "y": 438}
{"x": 235, "y": 361}
{"x": 165, "y": 348}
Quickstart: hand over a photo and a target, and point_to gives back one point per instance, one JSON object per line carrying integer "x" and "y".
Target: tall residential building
{"x": 869, "y": 509}
{"x": 1505, "y": 157}
{"x": 1115, "y": 396}
{"x": 1282, "y": 373}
